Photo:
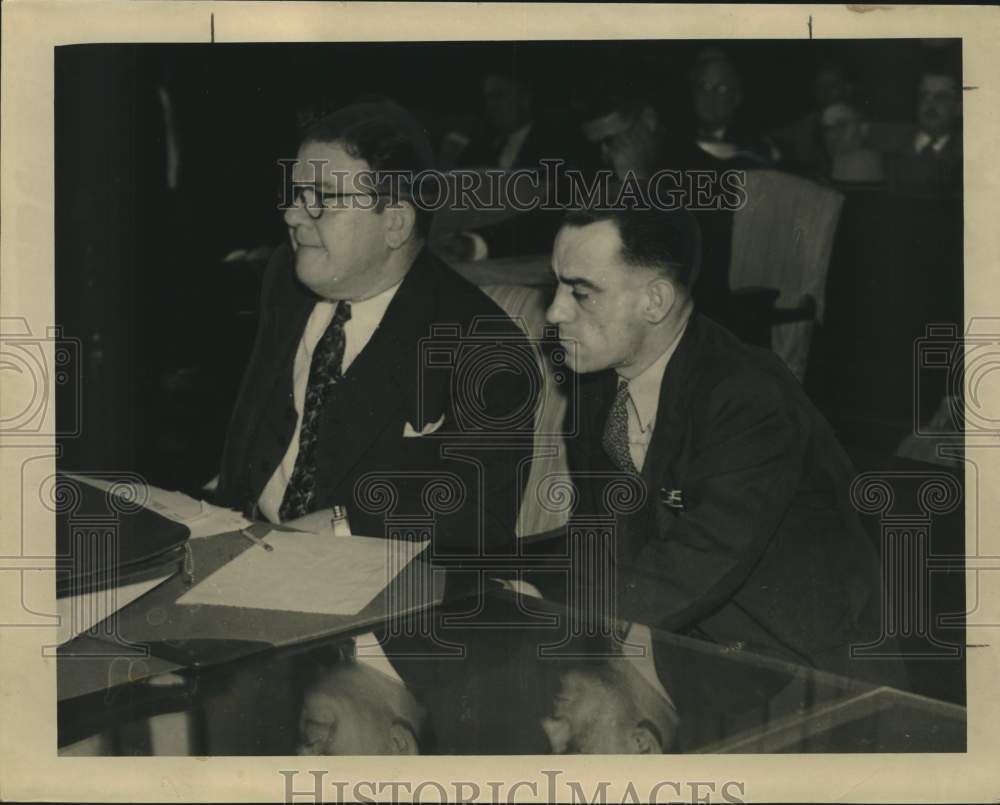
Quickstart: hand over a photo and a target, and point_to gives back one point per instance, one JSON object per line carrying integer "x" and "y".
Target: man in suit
{"x": 927, "y": 158}
{"x": 519, "y": 139}
{"x": 374, "y": 360}
{"x": 717, "y": 99}
{"x": 622, "y": 120}
{"x": 746, "y": 536}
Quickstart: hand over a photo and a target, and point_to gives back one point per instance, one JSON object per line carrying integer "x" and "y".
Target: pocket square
{"x": 409, "y": 432}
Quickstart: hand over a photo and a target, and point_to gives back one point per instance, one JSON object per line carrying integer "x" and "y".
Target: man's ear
{"x": 649, "y": 117}
{"x": 402, "y": 740}
{"x": 661, "y": 297}
{"x": 642, "y": 741}
{"x": 400, "y": 223}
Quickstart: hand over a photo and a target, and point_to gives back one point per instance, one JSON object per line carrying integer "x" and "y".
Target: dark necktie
{"x": 615, "y": 440}
{"x": 324, "y": 372}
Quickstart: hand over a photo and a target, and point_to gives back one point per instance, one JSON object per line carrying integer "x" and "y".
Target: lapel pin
{"x": 673, "y": 499}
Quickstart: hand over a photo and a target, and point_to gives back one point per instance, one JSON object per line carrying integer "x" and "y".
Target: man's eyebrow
{"x": 578, "y": 282}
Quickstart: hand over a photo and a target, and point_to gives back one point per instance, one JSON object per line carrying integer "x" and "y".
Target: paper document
{"x": 202, "y": 519}
{"x": 307, "y": 573}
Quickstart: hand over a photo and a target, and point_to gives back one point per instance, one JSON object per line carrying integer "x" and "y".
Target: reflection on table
{"x": 500, "y": 674}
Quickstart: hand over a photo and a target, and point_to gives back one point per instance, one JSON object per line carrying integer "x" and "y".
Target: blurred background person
{"x": 926, "y": 157}
{"x": 802, "y": 142}
{"x": 516, "y": 137}
{"x": 621, "y": 118}
{"x": 722, "y": 128}
{"x": 845, "y": 137}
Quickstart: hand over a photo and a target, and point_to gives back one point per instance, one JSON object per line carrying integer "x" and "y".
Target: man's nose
{"x": 295, "y": 214}
{"x": 557, "y": 313}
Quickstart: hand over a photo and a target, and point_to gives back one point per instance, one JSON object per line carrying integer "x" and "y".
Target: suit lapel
{"x": 597, "y": 394}
{"x": 669, "y": 428}
{"x": 381, "y": 379}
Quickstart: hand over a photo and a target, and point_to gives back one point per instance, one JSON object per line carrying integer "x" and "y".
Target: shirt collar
{"x": 372, "y": 310}
{"x": 644, "y": 389}
{"x": 923, "y": 139}
{"x": 717, "y": 149}
{"x": 366, "y": 311}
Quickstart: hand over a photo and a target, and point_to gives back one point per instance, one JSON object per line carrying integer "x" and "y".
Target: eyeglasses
{"x": 316, "y": 201}
{"x": 710, "y": 88}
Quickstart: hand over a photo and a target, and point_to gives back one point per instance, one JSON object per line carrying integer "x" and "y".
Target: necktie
{"x": 324, "y": 372}
{"x": 615, "y": 440}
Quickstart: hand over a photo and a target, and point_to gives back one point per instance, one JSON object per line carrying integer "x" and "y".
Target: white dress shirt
{"x": 922, "y": 140}
{"x": 644, "y": 391}
{"x": 366, "y": 316}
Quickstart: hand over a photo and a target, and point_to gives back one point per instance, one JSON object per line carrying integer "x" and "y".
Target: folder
{"x": 101, "y": 542}
{"x": 200, "y": 635}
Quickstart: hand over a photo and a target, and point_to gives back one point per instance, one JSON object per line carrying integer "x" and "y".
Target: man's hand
{"x": 318, "y": 522}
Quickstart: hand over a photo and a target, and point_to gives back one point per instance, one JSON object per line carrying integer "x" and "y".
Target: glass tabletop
{"x": 503, "y": 674}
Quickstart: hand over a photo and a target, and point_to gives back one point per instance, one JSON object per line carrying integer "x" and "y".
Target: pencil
{"x": 246, "y": 533}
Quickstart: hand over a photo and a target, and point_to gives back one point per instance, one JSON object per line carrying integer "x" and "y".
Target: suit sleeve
{"x": 748, "y": 456}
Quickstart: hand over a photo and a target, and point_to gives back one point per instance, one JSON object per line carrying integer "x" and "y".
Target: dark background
{"x": 166, "y": 326}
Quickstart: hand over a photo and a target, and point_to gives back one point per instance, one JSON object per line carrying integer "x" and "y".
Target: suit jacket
{"x": 429, "y": 358}
{"x": 768, "y": 554}
{"x": 929, "y": 172}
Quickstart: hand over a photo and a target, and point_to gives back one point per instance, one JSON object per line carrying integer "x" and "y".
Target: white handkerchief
{"x": 409, "y": 432}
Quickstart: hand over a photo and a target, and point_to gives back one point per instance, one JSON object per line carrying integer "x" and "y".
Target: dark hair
{"x": 615, "y": 91}
{"x": 385, "y": 136}
{"x": 667, "y": 241}
{"x": 713, "y": 55}
{"x": 943, "y": 61}
{"x": 942, "y": 71}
